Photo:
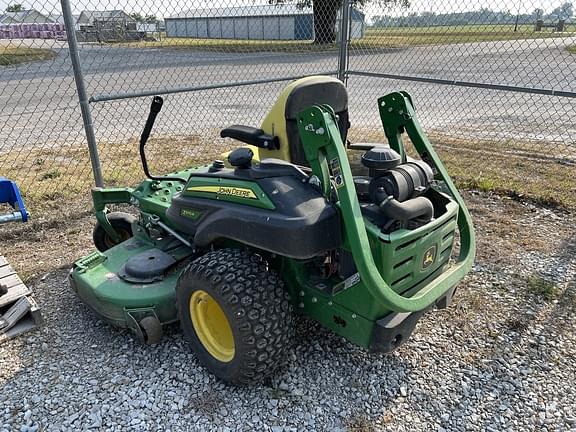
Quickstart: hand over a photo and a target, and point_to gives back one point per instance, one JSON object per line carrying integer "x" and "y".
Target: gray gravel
{"x": 500, "y": 358}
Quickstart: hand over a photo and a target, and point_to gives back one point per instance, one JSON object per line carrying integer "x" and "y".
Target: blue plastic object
{"x": 10, "y": 194}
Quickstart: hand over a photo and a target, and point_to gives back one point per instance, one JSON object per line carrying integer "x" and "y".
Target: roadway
{"x": 39, "y": 101}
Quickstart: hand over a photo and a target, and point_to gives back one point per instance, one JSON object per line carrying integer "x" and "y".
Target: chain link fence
{"x": 493, "y": 82}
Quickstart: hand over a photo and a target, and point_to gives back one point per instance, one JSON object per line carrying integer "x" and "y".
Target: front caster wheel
{"x": 121, "y": 222}
{"x": 151, "y": 330}
{"x": 236, "y": 315}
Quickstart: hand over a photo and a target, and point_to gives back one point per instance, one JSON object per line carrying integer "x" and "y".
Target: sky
{"x": 170, "y": 7}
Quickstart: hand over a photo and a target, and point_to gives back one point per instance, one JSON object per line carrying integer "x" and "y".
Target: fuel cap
{"x": 241, "y": 157}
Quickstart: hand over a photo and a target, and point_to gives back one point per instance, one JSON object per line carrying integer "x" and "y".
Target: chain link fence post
{"x": 82, "y": 95}
{"x": 344, "y": 41}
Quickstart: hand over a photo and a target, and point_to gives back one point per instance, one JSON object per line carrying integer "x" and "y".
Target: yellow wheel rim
{"x": 212, "y": 326}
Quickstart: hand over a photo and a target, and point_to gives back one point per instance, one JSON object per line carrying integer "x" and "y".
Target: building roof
{"x": 91, "y": 16}
{"x": 60, "y": 18}
{"x": 252, "y": 11}
{"x": 244, "y": 11}
{"x": 19, "y": 17}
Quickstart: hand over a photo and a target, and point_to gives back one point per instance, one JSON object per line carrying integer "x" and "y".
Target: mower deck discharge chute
{"x": 237, "y": 251}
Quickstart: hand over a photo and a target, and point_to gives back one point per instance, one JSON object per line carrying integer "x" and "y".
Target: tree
{"x": 137, "y": 17}
{"x": 538, "y": 13}
{"x": 151, "y": 19}
{"x": 16, "y": 7}
{"x": 562, "y": 12}
{"x": 326, "y": 11}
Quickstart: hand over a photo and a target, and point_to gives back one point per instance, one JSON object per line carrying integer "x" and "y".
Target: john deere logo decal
{"x": 225, "y": 190}
{"x": 237, "y": 192}
{"x": 429, "y": 257}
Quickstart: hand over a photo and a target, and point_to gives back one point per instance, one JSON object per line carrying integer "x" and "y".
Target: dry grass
{"x": 444, "y": 35}
{"x": 541, "y": 287}
{"x": 16, "y": 55}
{"x": 56, "y": 185}
{"x": 510, "y": 168}
{"x": 56, "y": 182}
{"x": 53, "y": 179}
{"x": 359, "y": 423}
{"x": 232, "y": 45}
{"x": 374, "y": 38}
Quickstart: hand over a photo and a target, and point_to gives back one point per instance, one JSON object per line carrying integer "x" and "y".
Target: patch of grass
{"x": 443, "y": 35}
{"x": 59, "y": 179}
{"x": 542, "y": 288}
{"x": 17, "y": 55}
{"x": 374, "y": 38}
{"x": 510, "y": 168}
{"x": 52, "y": 178}
{"x": 56, "y": 184}
{"x": 232, "y": 45}
{"x": 505, "y": 171}
{"x": 518, "y": 324}
{"x": 572, "y": 49}
{"x": 359, "y": 423}
{"x": 50, "y": 175}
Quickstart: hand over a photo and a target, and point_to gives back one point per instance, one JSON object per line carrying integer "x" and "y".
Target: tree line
{"x": 481, "y": 16}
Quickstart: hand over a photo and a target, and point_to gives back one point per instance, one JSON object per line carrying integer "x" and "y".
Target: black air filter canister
{"x": 403, "y": 182}
{"x": 379, "y": 159}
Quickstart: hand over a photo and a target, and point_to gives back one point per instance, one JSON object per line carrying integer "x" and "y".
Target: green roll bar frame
{"x": 326, "y": 153}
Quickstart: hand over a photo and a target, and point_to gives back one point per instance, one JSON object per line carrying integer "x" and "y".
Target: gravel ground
{"x": 502, "y": 357}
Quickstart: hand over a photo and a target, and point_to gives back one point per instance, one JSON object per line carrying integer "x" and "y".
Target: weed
{"x": 518, "y": 324}
{"x": 359, "y": 423}
{"x": 51, "y": 175}
{"x": 541, "y": 287}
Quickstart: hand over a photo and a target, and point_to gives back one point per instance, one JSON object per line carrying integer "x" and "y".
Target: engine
{"x": 392, "y": 196}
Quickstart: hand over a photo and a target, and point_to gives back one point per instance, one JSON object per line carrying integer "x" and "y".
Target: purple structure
{"x": 33, "y": 31}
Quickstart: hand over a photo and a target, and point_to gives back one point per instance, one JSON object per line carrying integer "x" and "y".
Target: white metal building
{"x": 263, "y": 22}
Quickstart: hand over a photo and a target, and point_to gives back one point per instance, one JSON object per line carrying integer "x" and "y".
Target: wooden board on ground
{"x": 19, "y": 313}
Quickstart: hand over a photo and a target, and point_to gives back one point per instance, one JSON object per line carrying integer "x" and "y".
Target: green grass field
{"x": 374, "y": 38}
{"x": 10, "y": 55}
{"x": 442, "y": 35}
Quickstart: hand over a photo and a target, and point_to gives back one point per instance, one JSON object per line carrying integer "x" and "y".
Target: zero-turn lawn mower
{"x": 236, "y": 252}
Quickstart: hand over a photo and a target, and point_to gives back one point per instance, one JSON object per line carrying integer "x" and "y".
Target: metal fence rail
{"x": 480, "y": 76}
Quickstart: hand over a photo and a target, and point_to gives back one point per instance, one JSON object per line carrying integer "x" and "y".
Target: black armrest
{"x": 251, "y": 135}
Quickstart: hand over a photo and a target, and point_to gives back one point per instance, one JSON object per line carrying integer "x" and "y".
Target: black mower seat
{"x": 278, "y": 136}
{"x": 318, "y": 91}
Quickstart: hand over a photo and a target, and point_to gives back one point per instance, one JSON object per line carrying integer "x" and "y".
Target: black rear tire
{"x": 122, "y": 223}
{"x": 256, "y": 305}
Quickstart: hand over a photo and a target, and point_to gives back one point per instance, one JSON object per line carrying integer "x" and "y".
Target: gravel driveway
{"x": 502, "y": 357}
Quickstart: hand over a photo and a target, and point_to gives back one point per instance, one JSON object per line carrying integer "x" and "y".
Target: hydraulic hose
{"x": 420, "y": 207}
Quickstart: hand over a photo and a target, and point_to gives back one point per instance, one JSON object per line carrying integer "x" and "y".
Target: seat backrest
{"x": 297, "y": 96}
